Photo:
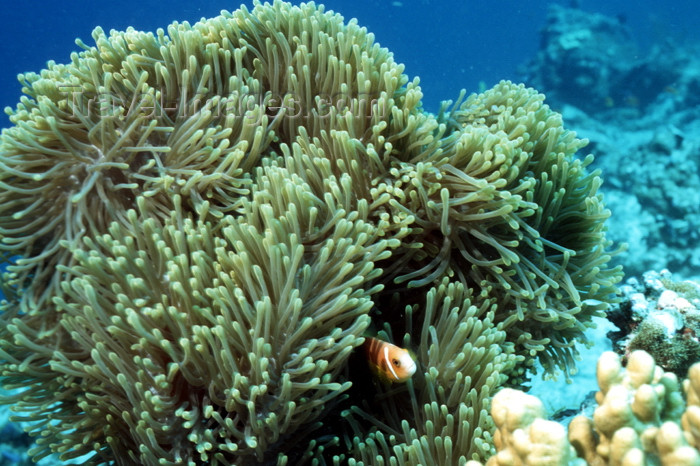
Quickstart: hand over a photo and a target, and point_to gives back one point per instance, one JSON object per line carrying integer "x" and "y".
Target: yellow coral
{"x": 641, "y": 419}
{"x": 523, "y": 437}
{"x": 633, "y": 404}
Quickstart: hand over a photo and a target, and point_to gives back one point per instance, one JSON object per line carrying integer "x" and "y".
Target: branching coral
{"x": 641, "y": 419}
{"x": 202, "y": 225}
{"x": 524, "y": 437}
{"x": 637, "y": 416}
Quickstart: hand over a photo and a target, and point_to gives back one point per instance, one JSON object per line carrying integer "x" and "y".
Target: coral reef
{"x": 524, "y": 436}
{"x": 658, "y": 208}
{"x": 641, "y": 419}
{"x": 640, "y": 113}
{"x": 201, "y": 227}
{"x": 591, "y": 61}
{"x": 661, "y": 316}
{"x": 584, "y": 58}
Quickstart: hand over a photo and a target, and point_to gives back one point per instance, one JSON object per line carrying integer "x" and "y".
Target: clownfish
{"x": 389, "y": 362}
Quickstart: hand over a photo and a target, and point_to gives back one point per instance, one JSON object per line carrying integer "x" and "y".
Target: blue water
{"x": 450, "y": 45}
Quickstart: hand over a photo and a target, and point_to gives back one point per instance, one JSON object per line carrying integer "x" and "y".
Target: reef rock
{"x": 661, "y": 316}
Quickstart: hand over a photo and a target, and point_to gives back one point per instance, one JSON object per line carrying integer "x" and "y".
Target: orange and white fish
{"x": 389, "y": 362}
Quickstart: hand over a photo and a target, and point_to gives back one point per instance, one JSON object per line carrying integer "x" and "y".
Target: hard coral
{"x": 637, "y": 417}
{"x": 641, "y": 419}
{"x": 661, "y": 316}
{"x": 524, "y": 437}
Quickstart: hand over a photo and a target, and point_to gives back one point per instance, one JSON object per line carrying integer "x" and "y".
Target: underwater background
{"x": 449, "y": 45}
{"x": 624, "y": 75}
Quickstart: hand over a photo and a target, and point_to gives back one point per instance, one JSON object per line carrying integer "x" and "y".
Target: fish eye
{"x": 396, "y": 362}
